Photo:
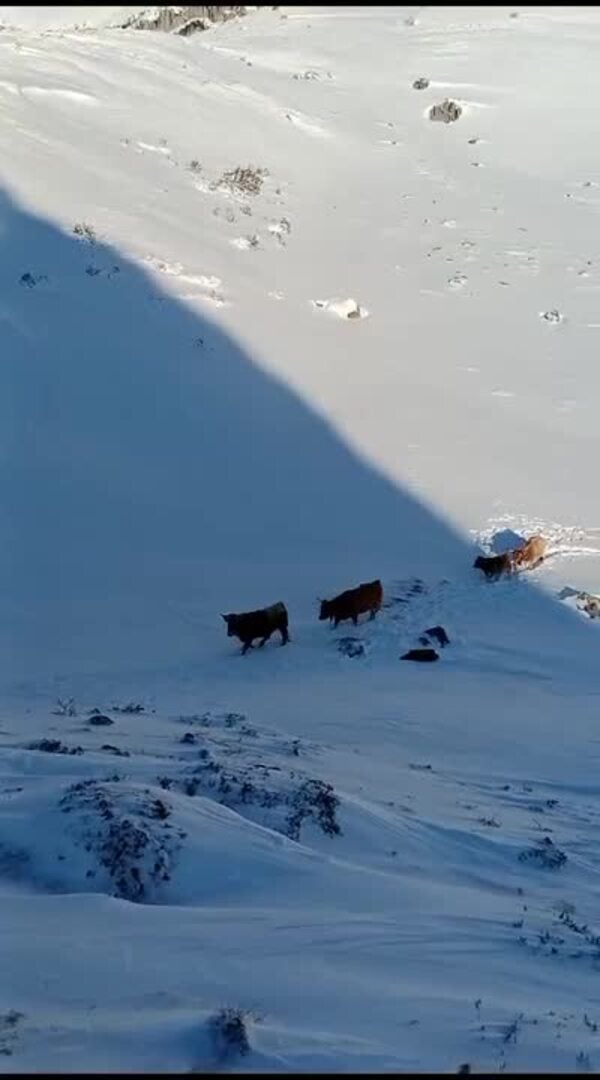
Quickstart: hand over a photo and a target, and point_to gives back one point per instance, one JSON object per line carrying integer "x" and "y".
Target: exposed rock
{"x": 420, "y": 84}
{"x": 182, "y": 20}
{"x": 100, "y": 720}
{"x": 584, "y": 601}
{"x": 438, "y": 634}
{"x": 424, "y": 656}
{"x": 110, "y": 749}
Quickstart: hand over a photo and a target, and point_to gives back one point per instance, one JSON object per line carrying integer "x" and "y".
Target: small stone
{"x": 100, "y": 720}
{"x": 438, "y": 634}
{"x": 423, "y": 656}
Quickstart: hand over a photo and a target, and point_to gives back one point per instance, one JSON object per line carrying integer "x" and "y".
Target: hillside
{"x": 388, "y": 866}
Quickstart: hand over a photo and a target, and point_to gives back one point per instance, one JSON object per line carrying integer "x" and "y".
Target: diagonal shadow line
{"x": 141, "y": 471}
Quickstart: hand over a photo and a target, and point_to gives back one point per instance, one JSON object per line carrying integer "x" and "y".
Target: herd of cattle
{"x": 368, "y": 597}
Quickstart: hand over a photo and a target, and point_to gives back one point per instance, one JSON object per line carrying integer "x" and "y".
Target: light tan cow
{"x": 531, "y": 554}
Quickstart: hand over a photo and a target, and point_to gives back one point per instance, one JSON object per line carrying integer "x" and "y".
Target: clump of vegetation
{"x": 546, "y": 854}
{"x": 9, "y": 1023}
{"x": 229, "y": 1032}
{"x": 446, "y": 112}
{"x": 65, "y": 708}
{"x": 316, "y": 800}
{"x": 86, "y": 232}
{"x": 54, "y": 746}
{"x": 31, "y": 280}
{"x": 242, "y": 181}
{"x": 127, "y": 833}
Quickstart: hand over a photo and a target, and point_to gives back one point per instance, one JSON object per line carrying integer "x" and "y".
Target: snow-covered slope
{"x": 364, "y": 853}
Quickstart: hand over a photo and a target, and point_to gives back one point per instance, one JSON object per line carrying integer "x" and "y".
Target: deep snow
{"x": 192, "y": 425}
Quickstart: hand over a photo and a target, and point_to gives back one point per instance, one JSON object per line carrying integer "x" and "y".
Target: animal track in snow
{"x": 209, "y": 283}
{"x": 304, "y": 123}
{"x": 161, "y": 149}
{"x": 246, "y": 243}
{"x": 457, "y": 281}
{"x": 552, "y": 316}
{"x": 344, "y": 309}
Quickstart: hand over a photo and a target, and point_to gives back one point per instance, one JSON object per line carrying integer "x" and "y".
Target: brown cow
{"x": 531, "y": 554}
{"x": 494, "y": 566}
{"x": 249, "y": 625}
{"x": 350, "y": 604}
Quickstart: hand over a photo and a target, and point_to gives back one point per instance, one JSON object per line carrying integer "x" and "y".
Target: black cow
{"x": 249, "y": 625}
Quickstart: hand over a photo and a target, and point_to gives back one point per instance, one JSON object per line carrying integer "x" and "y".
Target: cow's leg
{"x": 336, "y": 623}
{"x": 373, "y": 614}
{"x": 247, "y": 645}
{"x": 285, "y": 637}
{"x": 355, "y": 619}
{"x": 265, "y": 639}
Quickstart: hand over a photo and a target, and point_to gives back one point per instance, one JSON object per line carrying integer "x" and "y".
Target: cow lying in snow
{"x": 249, "y": 625}
{"x": 531, "y": 554}
{"x": 353, "y": 602}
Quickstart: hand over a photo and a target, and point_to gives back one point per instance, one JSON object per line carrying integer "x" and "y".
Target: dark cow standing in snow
{"x": 353, "y": 602}
{"x": 249, "y": 625}
{"x": 494, "y": 566}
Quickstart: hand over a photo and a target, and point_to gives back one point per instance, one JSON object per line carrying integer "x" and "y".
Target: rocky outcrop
{"x": 183, "y": 20}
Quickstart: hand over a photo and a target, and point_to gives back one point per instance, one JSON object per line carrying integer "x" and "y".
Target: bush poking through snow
{"x": 31, "y": 280}
{"x": 126, "y": 832}
{"x": 229, "y": 1033}
{"x": 446, "y": 112}
{"x": 318, "y": 801}
{"x": 9, "y": 1023}
{"x": 279, "y": 798}
{"x": 86, "y": 232}
{"x": 240, "y": 181}
{"x": 545, "y": 854}
{"x": 420, "y": 84}
{"x": 54, "y": 746}
{"x": 65, "y": 708}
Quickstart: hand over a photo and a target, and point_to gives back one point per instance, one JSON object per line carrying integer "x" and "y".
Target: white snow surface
{"x": 187, "y": 431}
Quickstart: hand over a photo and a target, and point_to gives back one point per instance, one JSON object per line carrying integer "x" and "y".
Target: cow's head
{"x": 480, "y": 562}
{"x": 231, "y": 621}
{"x": 325, "y": 612}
